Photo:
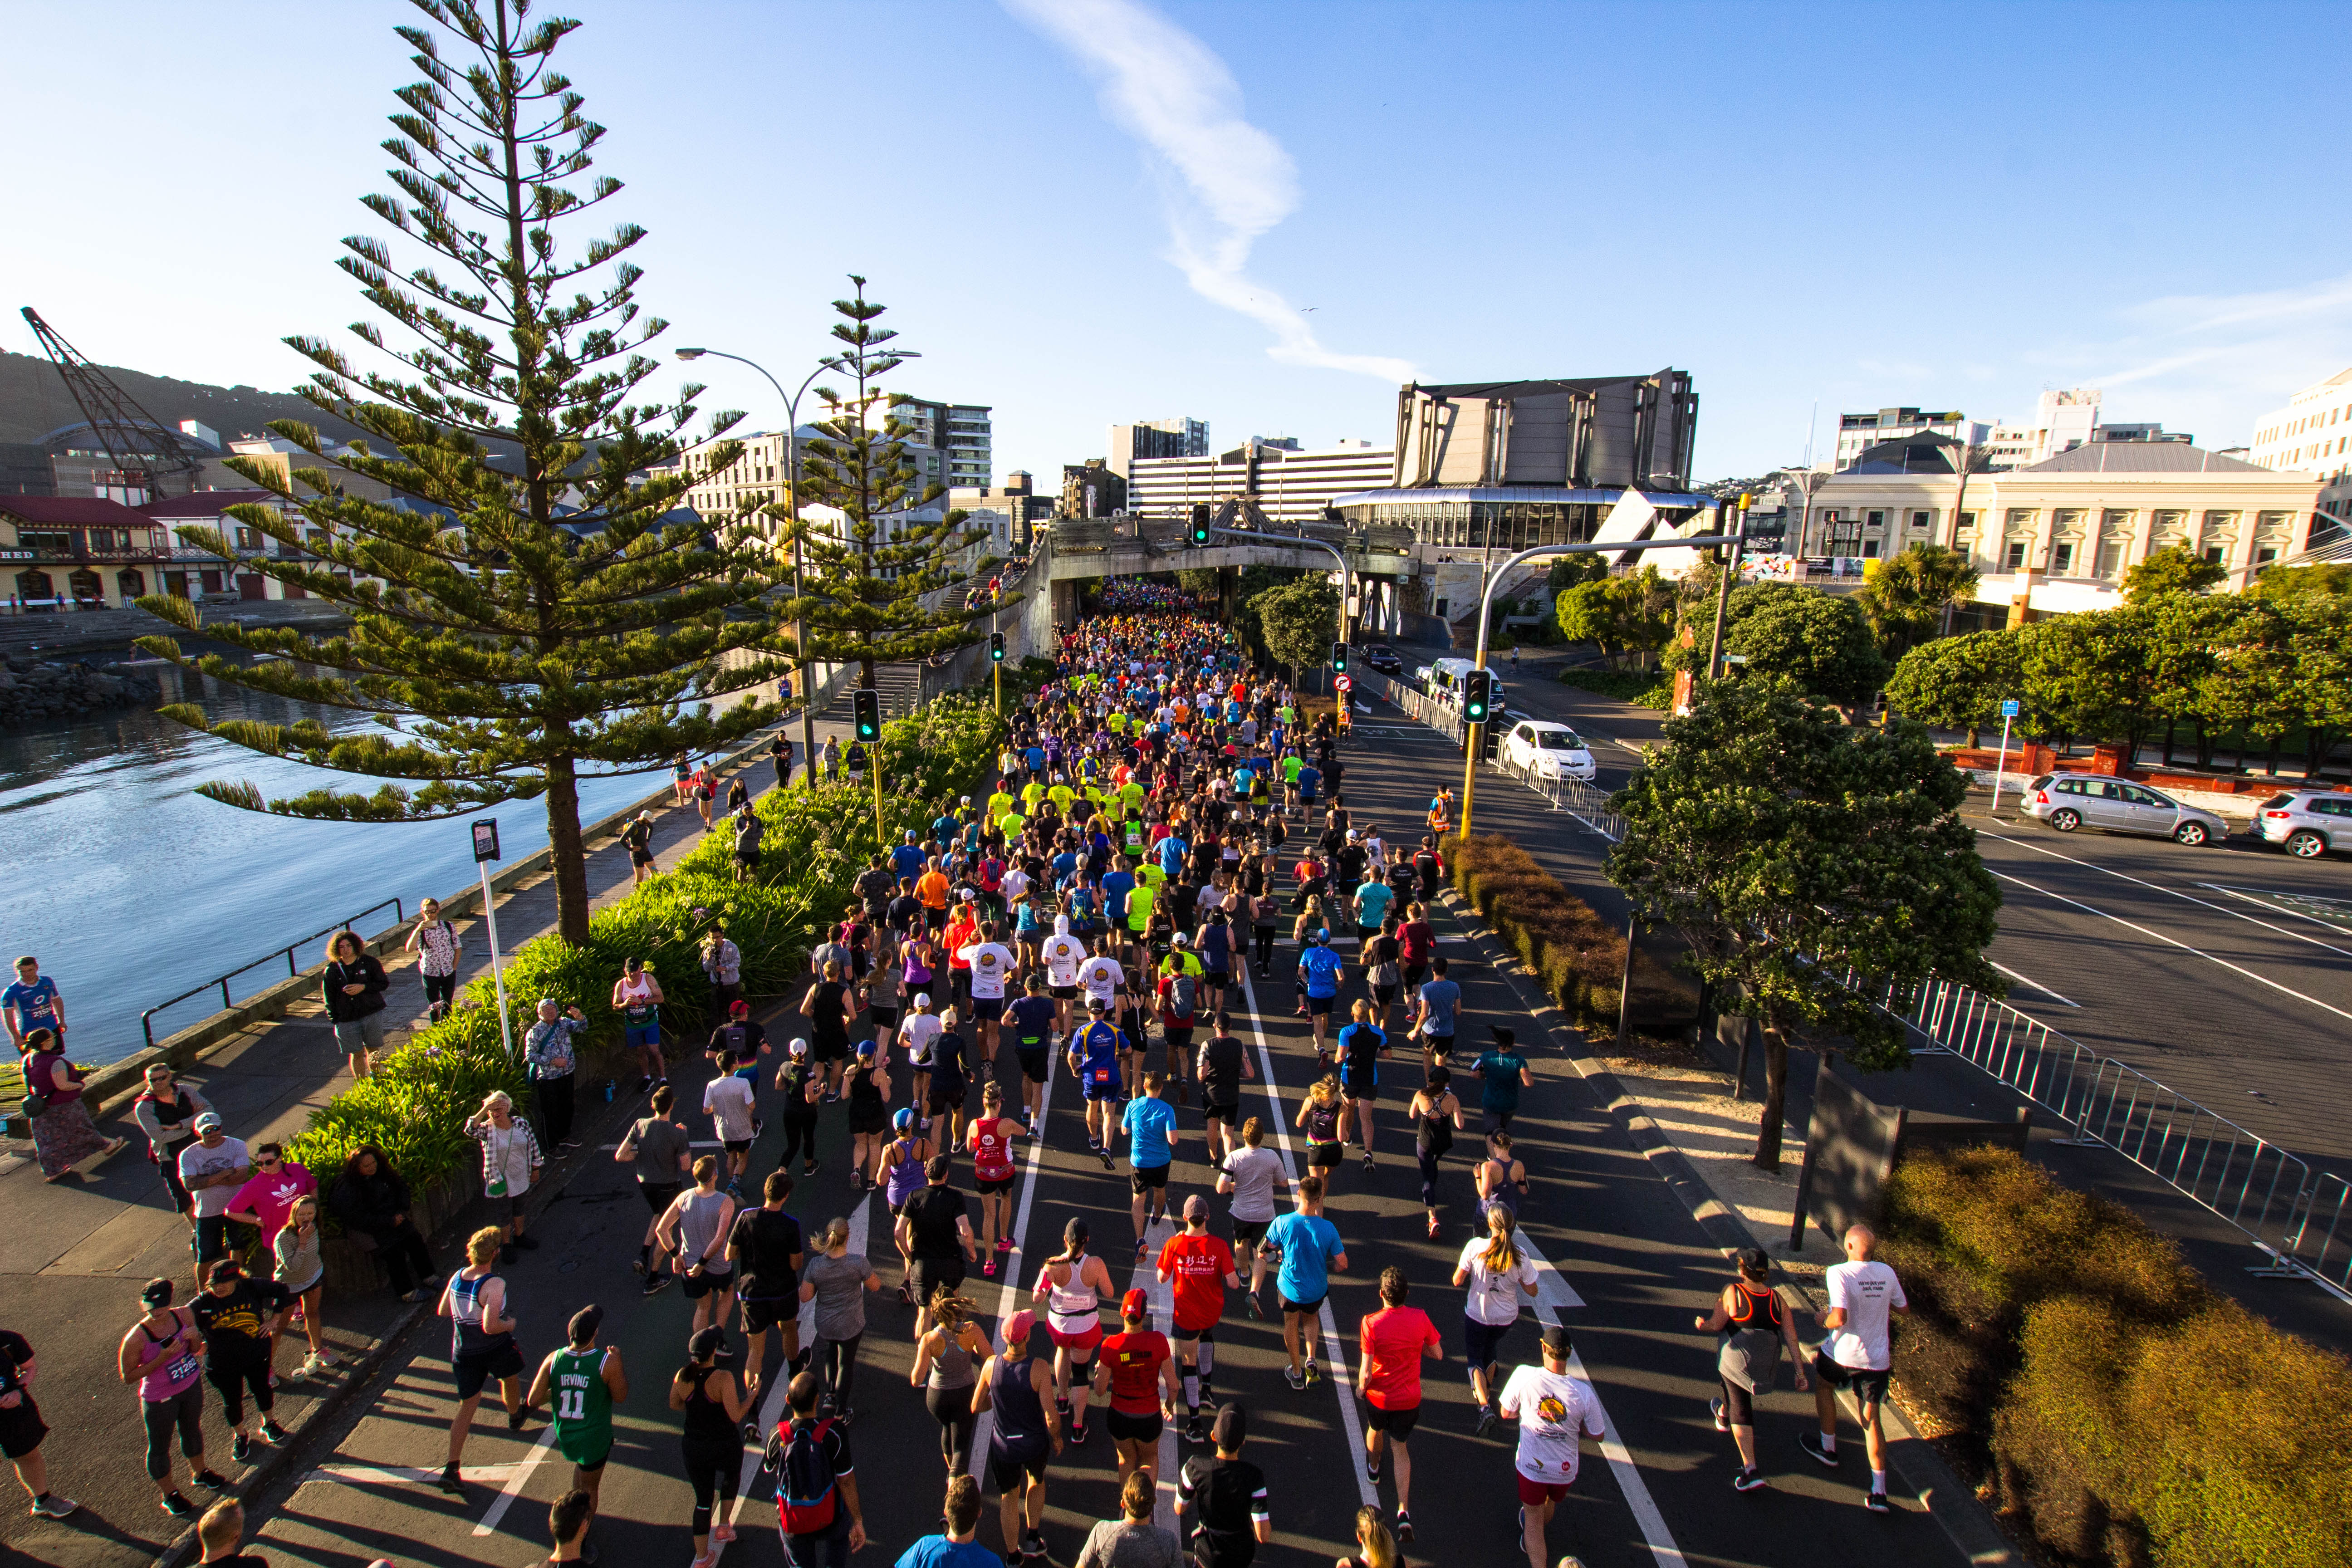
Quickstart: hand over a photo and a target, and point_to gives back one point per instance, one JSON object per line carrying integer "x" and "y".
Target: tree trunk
{"x": 2169, "y": 725}
{"x": 2204, "y": 744}
{"x": 1975, "y": 738}
{"x": 566, "y": 853}
{"x": 2270, "y": 766}
{"x": 1776, "y": 1100}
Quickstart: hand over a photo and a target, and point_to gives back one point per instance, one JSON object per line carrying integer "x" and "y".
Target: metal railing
{"x": 1588, "y": 804}
{"x": 1419, "y": 705}
{"x": 293, "y": 969}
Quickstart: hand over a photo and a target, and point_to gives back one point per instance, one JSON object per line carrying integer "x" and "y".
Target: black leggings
{"x": 403, "y": 1252}
{"x": 440, "y": 994}
{"x": 232, "y": 1382}
{"x": 839, "y": 1366}
{"x": 1428, "y": 1176}
{"x": 951, "y": 1408}
{"x": 1265, "y": 948}
{"x": 800, "y": 1139}
{"x": 711, "y": 1470}
{"x": 184, "y": 1410}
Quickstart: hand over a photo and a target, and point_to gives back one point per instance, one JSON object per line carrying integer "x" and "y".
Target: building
{"x": 2314, "y": 432}
{"x": 1091, "y": 490}
{"x": 1289, "y": 485}
{"x": 1007, "y": 512}
{"x": 1180, "y": 438}
{"x": 1859, "y": 432}
{"x": 2060, "y": 534}
{"x": 88, "y": 551}
{"x": 960, "y": 432}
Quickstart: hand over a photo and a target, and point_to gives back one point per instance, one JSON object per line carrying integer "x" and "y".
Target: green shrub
{"x": 1644, "y": 687}
{"x": 1576, "y": 956}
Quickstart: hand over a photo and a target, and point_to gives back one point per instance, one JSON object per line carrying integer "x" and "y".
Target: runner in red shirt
{"x": 1202, "y": 1266}
{"x": 1141, "y": 1373}
{"x": 990, "y": 1138}
{"x": 1393, "y": 1341}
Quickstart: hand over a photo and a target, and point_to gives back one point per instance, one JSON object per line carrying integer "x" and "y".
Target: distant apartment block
{"x": 1156, "y": 438}
{"x": 1290, "y": 484}
{"x": 1857, "y": 433}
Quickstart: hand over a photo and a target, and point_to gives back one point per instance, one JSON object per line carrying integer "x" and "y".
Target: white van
{"x": 1444, "y": 682}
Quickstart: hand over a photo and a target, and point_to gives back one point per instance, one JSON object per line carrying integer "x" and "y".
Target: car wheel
{"x": 2306, "y": 845}
{"x": 2193, "y": 833}
{"x": 2067, "y": 821}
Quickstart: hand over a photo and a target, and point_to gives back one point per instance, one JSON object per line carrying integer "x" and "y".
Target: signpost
{"x": 486, "y": 849}
{"x": 2010, "y": 708}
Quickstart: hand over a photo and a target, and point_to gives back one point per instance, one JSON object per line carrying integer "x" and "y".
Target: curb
{"x": 1948, "y": 1499}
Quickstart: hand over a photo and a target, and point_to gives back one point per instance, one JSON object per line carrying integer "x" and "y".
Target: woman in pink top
{"x": 163, "y": 1355}
{"x": 277, "y": 1186}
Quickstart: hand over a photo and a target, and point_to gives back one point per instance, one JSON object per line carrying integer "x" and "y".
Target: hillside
{"x": 34, "y": 402}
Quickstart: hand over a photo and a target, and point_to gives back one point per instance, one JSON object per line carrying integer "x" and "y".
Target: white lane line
{"x": 2319, "y": 921}
{"x": 2160, "y": 887}
{"x": 520, "y": 1478}
{"x": 1553, "y": 1292}
{"x": 2024, "y": 980}
{"x": 2174, "y": 942}
{"x": 1366, "y": 1492}
{"x": 400, "y": 1474}
{"x": 1008, "y": 1295}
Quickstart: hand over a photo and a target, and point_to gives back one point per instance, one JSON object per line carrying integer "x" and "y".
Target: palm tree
{"x": 1906, "y": 596}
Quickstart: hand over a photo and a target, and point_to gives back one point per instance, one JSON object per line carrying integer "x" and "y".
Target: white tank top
{"x": 1072, "y": 1308}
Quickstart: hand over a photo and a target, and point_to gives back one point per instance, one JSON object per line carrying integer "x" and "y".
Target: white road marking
{"x": 1147, "y": 1279}
{"x": 2320, "y": 920}
{"x": 2174, "y": 942}
{"x": 1008, "y": 1295}
{"x": 516, "y": 1481}
{"x": 2024, "y": 980}
{"x": 402, "y": 1475}
{"x": 2160, "y": 887}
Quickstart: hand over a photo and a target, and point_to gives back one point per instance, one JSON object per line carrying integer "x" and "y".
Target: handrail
{"x": 293, "y": 970}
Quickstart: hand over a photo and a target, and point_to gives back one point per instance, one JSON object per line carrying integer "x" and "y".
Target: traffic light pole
{"x": 1347, "y": 578}
{"x": 1473, "y": 735}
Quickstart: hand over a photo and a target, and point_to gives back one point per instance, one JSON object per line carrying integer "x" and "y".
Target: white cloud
{"x": 1171, "y": 92}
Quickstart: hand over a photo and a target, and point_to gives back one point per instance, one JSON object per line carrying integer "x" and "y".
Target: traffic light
{"x": 1340, "y": 659}
{"x": 996, "y": 648}
{"x": 866, "y": 706}
{"x": 1477, "y": 696}
{"x": 1200, "y": 534}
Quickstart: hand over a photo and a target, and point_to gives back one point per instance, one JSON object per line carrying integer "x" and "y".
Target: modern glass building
{"x": 1508, "y": 517}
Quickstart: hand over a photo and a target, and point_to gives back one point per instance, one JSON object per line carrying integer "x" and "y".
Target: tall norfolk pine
{"x": 560, "y": 613}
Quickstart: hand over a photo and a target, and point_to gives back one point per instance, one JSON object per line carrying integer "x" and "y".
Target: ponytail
{"x": 1501, "y": 1256}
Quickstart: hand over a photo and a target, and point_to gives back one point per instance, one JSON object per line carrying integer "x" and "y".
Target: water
{"x": 131, "y": 888}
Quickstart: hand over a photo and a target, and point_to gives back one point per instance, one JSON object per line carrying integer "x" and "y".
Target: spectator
{"x": 31, "y": 1001}
{"x": 239, "y": 1318}
{"x": 22, "y": 1428}
{"x": 373, "y": 1203}
{"x": 304, "y": 1274}
{"x": 63, "y": 1134}
{"x": 722, "y": 961}
{"x": 268, "y": 1199}
{"x": 749, "y": 831}
{"x": 163, "y": 1111}
{"x": 435, "y": 942}
{"x": 213, "y": 1169}
{"x": 219, "y": 1534}
{"x": 1131, "y": 1541}
{"x": 548, "y": 1046}
{"x": 511, "y": 1164}
{"x": 354, "y": 986}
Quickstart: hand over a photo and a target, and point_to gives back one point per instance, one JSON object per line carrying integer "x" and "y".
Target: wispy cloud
{"x": 1171, "y": 91}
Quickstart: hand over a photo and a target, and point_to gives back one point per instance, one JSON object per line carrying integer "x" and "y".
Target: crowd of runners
{"x": 1162, "y": 817}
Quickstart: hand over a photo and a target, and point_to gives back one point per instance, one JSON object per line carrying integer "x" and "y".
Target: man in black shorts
{"x": 660, "y": 1149}
{"x": 1225, "y": 1063}
{"x": 767, "y": 1249}
{"x": 934, "y": 1230}
{"x": 22, "y": 1428}
{"x": 1030, "y": 1021}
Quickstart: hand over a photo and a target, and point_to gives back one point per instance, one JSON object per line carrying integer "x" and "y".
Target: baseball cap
{"x": 922, "y": 998}
{"x": 1555, "y": 1339}
{"x": 707, "y": 1344}
{"x": 1196, "y": 1207}
{"x": 1180, "y": 940}
{"x": 740, "y": 1009}
{"x": 156, "y": 1293}
{"x": 864, "y": 1047}
{"x": 798, "y": 1048}
{"x": 1135, "y": 1304}
{"x": 1017, "y": 1326}
{"x": 1094, "y": 1004}
{"x": 208, "y": 1120}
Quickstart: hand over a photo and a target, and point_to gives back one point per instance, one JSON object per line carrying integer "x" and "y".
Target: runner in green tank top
{"x": 584, "y": 1381}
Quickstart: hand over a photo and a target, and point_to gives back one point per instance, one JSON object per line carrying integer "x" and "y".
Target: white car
{"x": 1550, "y": 751}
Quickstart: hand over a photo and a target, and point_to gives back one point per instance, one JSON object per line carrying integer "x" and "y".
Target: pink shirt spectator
{"x": 272, "y": 1194}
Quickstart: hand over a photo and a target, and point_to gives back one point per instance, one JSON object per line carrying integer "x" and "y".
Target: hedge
{"x": 1579, "y": 957}
{"x": 1644, "y": 687}
{"x": 2117, "y": 1410}
{"x": 414, "y": 1107}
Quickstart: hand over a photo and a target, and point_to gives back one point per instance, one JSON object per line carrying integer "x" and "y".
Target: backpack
{"x": 1182, "y": 994}
{"x": 806, "y": 1501}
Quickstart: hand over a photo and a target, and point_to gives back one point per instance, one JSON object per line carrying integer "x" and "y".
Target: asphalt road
{"x": 1628, "y": 1269}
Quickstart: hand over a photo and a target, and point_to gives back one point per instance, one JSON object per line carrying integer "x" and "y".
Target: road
{"x": 1628, "y": 1269}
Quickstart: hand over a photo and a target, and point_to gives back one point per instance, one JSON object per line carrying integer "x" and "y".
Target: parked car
{"x": 1383, "y": 658}
{"x": 2309, "y": 822}
{"x": 1548, "y": 750}
{"x": 2069, "y": 801}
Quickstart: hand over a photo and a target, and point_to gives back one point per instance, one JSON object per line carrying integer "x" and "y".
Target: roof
{"x": 1550, "y": 495}
{"x": 2141, "y": 458}
{"x": 71, "y": 509}
{"x": 1509, "y": 390}
{"x": 204, "y": 503}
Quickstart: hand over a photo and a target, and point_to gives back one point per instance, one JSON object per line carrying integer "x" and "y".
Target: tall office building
{"x": 1288, "y": 484}
{"x": 1180, "y": 438}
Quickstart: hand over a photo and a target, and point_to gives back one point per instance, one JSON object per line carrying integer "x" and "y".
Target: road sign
{"x": 1343, "y": 681}
{"x": 2011, "y": 707}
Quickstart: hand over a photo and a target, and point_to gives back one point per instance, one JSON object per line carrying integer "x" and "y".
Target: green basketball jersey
{"x": 583, "y": 1406}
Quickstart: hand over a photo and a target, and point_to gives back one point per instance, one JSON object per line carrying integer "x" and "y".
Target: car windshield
{"x": 1559, "y": 741}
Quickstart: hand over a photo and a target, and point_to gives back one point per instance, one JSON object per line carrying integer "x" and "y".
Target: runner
{"x": 803, "y": 1082}
{"x": 1322, "y": 1115}
{"x": 992, "y": 964}
{"x": 695, "y": 1229}
{"x": 1018, "y": 1386}
{"x": 1753, "y": 1325}
{"x": 1502, "y": 1178}
{"x": 947, "y": 1357}
{"x": 1063, "y": 954}
{"x": 482, "y": 1347}
{"x": 1394, "y": 1340}
{"x": 1308, "y": 1245}
{"x": 1071, "y": 1288}
{"x": 1502, "y": 1073}
{"x": 868, "y": 1087}
{"x": 1094, "y": 1057}
{"x": 1139, "y": 1371}
{"x": 1436, "y": 1116}
{"x": 990, "y": 1143}
{"x": 935, "y": 1233}
{"x": 1150, "y": 1126}
{"x": 836, "y": 1283}
{"x": 1318, "y": 975}
{"x": 921, "y": 1030}
{"x": 767, "y": 1249}
{"x": 728, "y": 1102}
{"x": 1201, "y": 1267}
{"x": 1229, "y": 1495}
{"x": 830, "y": 1005}
{"x": 1551, "y": 1407}
{"x": 1223, "y": 1066}
{"x": 1858, "y": 1354}
{"x": 1436, "y": 1006}
{"x": 161, "y": 1356}
{"x": 638, "y": 997}
{"x": 949, "y": 1086}
{"x": 902, "y": 1177}
{"x": 712, "y": 1441}
{"x": 1361, "y": 1046}
{"x": 1031, "y": 1020}
{"x": 584, "y": 1381}
{"x": 1251, "y": 1175}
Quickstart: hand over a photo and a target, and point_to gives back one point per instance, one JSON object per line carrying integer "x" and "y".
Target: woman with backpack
{"x": 434, "y": 942}
{"x": 163, "y": 1111}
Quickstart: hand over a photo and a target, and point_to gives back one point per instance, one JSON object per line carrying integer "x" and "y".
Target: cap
{"x": 1096, "y": 1004}
{"x": 708, "y": 1344}
{"x": 922, "y": 998}
{"x": 584, "y": 1323}
{"x": 864, "y": 1047}
{"x": 1196, "y": 1207}
{"x": 208, "y": 1120}
{"x": 1232, "y": 1428}
{"x": 1555, "y": 1339}
{"x": 904, "y": 1119}
{"x": 1017, "y": 1327}
{"x": 1353, "y": 834}
{"x": 1180, "y": 940}
{"x": 157, "y": 1293}
{"x": 798, "y": 1048}
{"x": 966, "y": 801}
{"x": 551, "y": 1002}
{"x": 1135, "y": 1304}
{"x": 739, "y": 1010}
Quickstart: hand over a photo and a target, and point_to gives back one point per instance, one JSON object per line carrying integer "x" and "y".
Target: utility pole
{"x": 1723, "y": 588}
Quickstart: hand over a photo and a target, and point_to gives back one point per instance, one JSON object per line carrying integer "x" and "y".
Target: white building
{"x": 1858, "y": 432}
{"x": 2313, "y": 431}
{"x": 1180, "y": 438}
{"x": 1290, "y": 485}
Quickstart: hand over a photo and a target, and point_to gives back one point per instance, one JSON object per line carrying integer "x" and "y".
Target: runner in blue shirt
{"x": 1362, "y": 1046}
{"x": 1095, "y": 1049}
{"x": 1320, "y": 967}
{"x": 1150, "y": 1126}
{"x": 1310, "y": 779}
{"x": 1310, "y": 1249}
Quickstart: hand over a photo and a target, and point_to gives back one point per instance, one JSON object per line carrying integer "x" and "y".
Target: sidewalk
{"x": 76, "y": 1252}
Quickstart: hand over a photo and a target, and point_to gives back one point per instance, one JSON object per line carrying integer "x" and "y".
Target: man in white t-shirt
{"x": 1250, "y": 1174}
{"x": 1857, "y": 1355}
{"x": 992, "y": 966}
{"x": 1101, "y": 976}
{"x": 730, "y": 1101}
{"x": 1552, "y": 1407}
{"x": 1061, "y": 954}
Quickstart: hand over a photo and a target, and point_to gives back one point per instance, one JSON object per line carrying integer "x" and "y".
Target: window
{"x": 2062, "y": 558}
{"x": 1968, "y": 524}
{"x": 1870, "y": 546}
{"x": 1918, "y": 520}
{"x": 2017, "y": 548}
{"x": 2111, "y": 557}
{"x": 248, "y": 538}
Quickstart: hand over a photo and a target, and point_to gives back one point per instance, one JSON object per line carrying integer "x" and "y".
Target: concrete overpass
{"x": 1071, "y": 551}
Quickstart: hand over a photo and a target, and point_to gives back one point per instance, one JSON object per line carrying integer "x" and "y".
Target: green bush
{"x": 1645, "y": 687}
{"x": 1577, "y": 957}
{"x": 816, "y": 842}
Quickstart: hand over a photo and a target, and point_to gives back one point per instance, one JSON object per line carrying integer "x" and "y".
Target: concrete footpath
{"x": 74, "y": 1254}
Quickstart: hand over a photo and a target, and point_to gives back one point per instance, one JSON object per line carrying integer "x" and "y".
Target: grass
{"x": 1645, "y": 687}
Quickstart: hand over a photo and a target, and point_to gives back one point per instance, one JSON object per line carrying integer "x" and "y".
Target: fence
{"x": 1584, "y": 802}
{"x": 293, "y": 969}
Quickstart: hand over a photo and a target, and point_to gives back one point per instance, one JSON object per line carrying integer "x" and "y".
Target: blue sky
{"x": 1083, "y": 211}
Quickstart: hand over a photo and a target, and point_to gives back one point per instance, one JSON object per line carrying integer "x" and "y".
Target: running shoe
{"x": 1254, "y": 1309}
{"x": 644, "y": 1082}
{"x": 1370, "y": 1165}
{"x": 178, "y": 1507}
{"x": 213, "y": 1481}
{"x": 1875, "y": 1502}
{"x": 1297, "y": 1379}
{"x": 833, "y": 1097}
{"x": 1810, "y": 1442}
{"x": 759, "y": 1125}
{"x": 1140, "y": 1243}
{"x": 1722, "y": 1421}
{"x": 312, "y": 1366}
{"x": 1196, "y": 1431}
{"x": 1403, "y": 1526}
{"x": 1003, "y": 1244}
{"x": 241, "y": 1448}
{"x": 1078, "y": 1432}
{"x": 1372, "y": 1471}
{"x": 657, "y": 1284}
{"x": 517, "y": 1420}
{"x": 506, "y": 1254}
{"x": 809, "y": 1169}
{"x": 705, "y": 1560}
{"x": 906, "y": 1292}
{"x": 1062, "y": 1405}
{"x": 1108, "y": 1163}
{"x": 824, "y": 1403}
{"x": 1748, "y": 1479}
{"x": 1313, "y": 1373}
{"x": 639, "y": 1266}
{"x": 328, "y": 1356}
{"x": 272, "y": 1432}
{"x": 721, "y": 1530}
{"x": 988, "y": 1268}
{"x": 49, "y": 1505}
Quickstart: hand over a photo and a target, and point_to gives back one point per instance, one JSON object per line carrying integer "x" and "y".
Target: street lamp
{"x": 792, "y": 481}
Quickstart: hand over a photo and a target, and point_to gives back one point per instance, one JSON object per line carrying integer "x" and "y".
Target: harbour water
{"x": 131, "y": 888}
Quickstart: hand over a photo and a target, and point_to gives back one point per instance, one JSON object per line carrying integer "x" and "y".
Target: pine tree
{"x": 546, "y": 609}
{"x": 880, "y": 583}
